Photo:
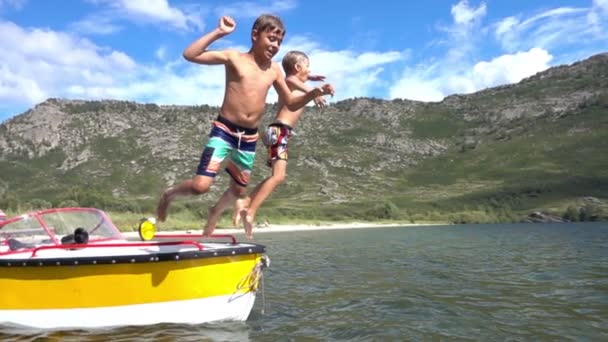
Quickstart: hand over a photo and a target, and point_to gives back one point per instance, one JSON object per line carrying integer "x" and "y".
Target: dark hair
{"x": 268, "y": 22}
{"x": 291, "y": 59}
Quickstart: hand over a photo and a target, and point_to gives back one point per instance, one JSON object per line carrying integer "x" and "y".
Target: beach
{"x": 274, "y": 228}
{"x": 271, "y": 228}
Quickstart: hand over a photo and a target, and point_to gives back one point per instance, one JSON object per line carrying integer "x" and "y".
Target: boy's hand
{"x": 320, "y": 101}
{"x": 226, "y": 24}
{"x": 316, "y": 78}
{"x": 326, "y": 89}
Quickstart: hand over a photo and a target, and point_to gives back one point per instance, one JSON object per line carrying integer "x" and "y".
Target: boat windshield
{"x": 58, "y": 226}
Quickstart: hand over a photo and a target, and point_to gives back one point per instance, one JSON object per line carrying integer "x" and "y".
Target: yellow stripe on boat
{"x": 105, "y": 285}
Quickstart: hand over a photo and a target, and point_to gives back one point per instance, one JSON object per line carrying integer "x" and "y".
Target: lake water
{"x": 479, "y": 282}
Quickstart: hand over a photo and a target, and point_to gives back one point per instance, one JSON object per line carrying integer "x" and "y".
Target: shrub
{"x": 67, "y": 204}
{"x": 39, "y": 204}
{"x": 571, "y": 214}
{"x": 9, "y": 201}
{"x": 590, "y": 212}
{"x": 386, "y": 210}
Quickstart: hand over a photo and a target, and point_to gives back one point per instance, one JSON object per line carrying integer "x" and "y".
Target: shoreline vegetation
{"x": 192, "y": 221}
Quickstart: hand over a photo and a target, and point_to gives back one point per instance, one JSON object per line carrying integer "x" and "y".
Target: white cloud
{"x": 40, "y": 63}
{"x": 526, "y": 40}
{"x": 464, "y": 33}
{"x": 353, "y": 74}
{"x": 463, "y": 14}
{"x": 598, "y": 17}
{"x": 433, "y": 82}
{"x": 37, "y": 64}
{"x": 505, "y": 26}
{"x": 548, "y": 29}
{"x": 161, "y": 53}
{"x": 434, "y": 78}
{"x": 601, "y": 5}
{"x": 153, "y": 11}
{"x": 416, "y": 87}
{"x": 157, "y": 10}
{"x": 96, "y": 24}
{"x": 16, "y": 89}
{"x": 252, "y": 9}
{"x": 512, "y": 68}
{"x": 164, "y": 86}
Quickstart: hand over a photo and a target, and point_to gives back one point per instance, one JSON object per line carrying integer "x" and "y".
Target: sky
{"x": 418, "y": 50}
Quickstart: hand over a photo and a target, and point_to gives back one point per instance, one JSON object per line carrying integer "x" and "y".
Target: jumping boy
{"x": 296, "y": 65}
{"x": 234, "y": 133}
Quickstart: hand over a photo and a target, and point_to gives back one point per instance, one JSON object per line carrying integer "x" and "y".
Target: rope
{"x": 254, "y": 277}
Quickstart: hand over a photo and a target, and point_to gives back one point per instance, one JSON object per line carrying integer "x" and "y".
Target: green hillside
{"x": 498, "y": 155}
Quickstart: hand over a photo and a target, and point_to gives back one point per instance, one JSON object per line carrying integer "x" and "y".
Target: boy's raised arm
{"x": 197, "y": 51}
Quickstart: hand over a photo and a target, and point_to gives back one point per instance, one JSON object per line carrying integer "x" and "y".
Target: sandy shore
{"x": 273, "y": 228}
{"x": 303, "y": 227}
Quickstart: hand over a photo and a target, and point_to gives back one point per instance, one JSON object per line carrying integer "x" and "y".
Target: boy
{"x": 234, "y": 133}
{"x": 296, "y": 65}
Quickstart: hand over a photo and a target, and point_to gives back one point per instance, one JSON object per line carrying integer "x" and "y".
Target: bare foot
{"x": 235, "y": 221}
{"x": 163, "y": 204}
{"x": 247, "y": 223}
{"x": 208, "y": 230}
{"x": 240, "y": 205}
{"x": 236, "y": 216}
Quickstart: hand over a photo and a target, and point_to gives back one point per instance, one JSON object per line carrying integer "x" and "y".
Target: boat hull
{"x": 193, "y": 311}
{"x": 194, "y": 290}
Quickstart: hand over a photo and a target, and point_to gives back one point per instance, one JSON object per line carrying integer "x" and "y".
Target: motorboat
{"x": 73, "y": 268}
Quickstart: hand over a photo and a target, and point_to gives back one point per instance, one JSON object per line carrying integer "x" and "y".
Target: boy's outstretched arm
{"x": 316, "y": 78}
{"x": 197, "y": 51}
{"x": 295, "y": 83}
{"x": 293, "y": 102}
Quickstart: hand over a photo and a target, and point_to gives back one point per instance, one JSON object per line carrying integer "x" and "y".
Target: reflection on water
{"x": 223, "y": 331}
{"x": 485, "y": 282}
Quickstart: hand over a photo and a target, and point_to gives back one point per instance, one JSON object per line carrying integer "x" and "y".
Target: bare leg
{"x": 196, "y": 186}
{"x": 261, "y": 192}
{"x": 227, "y": 200}
{"x": 215, "y": 212}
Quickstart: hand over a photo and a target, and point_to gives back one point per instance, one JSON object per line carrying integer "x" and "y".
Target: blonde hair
{"x": 291, "y": 59}
{"x": 268, "y": 22}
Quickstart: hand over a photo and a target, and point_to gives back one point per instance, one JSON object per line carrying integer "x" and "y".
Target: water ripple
{"x": 476, "y": 282}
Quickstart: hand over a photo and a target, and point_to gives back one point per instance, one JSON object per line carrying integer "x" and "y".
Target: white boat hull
{"x": 196, "y": 311}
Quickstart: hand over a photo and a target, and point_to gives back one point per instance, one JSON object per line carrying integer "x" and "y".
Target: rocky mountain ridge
{"x": 355, "y": 150}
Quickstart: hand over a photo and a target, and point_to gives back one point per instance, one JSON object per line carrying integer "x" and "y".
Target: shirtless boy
{"x": 233, "y": 136}
{"x": 296, "y": 65}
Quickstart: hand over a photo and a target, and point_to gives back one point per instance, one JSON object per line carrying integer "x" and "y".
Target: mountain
{"x": 539, "y": 147}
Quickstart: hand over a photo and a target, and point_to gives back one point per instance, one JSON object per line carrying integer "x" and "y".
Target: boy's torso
{"x": 247, "y": 86}
{"x": 287, "y": 116}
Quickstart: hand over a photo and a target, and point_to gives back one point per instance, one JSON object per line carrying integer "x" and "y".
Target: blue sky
{"x": 420, "y": 50}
